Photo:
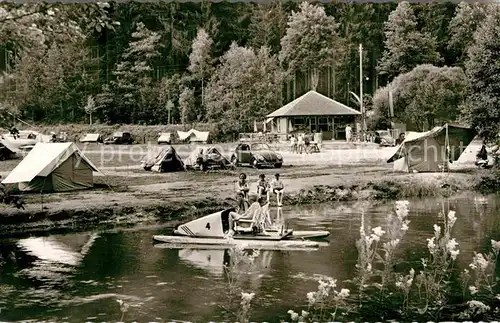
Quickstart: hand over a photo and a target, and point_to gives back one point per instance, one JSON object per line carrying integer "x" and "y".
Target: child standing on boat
{"x": 278, "y": 187}
{"x": 263, "y": 187}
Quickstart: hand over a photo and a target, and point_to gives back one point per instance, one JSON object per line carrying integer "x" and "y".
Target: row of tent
{"x": 61, "y": 167}
{"x": 57, "y": 167}
{"x": 192, "y": 135}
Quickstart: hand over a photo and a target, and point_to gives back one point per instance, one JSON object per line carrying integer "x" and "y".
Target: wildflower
{"x": 404, "y": 226}
{"x": 431, "y": 245}
{"x": 451, "y": 218}
{"x": 495, "y": 245}
{"x": 369, "y": 267}
{"x": 454, "y": 254}
{"x": 479, "y": 306}
{"x": 437, "y": 229}
{"x": 304, "y": 314}
{"x": 246, "y": 297}
{"x": 293, "y": 315}
{"x": 479, "y": 262}
{"x": 344, "y": 292}
{"x": 497, "y": 296}
{"x": 424, "y": 261}
{"x": 311, "y": 298}
{"x": 452, "y": 244}
{"x": 473, "y": 290}
{"x": 378, "y": 231}
{"x": 402, "y": 209}
{"x": 394, "y": 243}
{"x": 399, "y": 285}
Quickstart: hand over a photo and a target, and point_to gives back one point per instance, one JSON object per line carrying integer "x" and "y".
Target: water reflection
{"x": 81, "y": 276}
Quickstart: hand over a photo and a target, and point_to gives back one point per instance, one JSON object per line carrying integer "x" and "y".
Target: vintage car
{"x": 256, "y": 155}
{"x": 119, "y": 138}
{"x": 384, "y": 138}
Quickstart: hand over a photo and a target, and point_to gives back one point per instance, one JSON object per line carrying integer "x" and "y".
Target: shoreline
{"x": 165, "y": 204}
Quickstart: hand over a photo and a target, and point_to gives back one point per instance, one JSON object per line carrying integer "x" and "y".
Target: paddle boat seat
{"x": 258, "y": 223}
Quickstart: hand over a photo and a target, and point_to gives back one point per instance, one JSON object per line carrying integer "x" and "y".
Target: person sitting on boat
{"x": 253, "y": 213}
{"x": 263, "y": 187}
{"x": 243, "y": 186}
{"x": 277, "y": 188}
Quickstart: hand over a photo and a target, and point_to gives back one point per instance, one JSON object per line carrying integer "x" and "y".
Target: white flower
{"x": 304, "y": 314}
{"x": 473, "y": 290}
{"x": 378, "y": 231}
{"x": 479, "y": 306}
{"x": 431, "y": 245}
{"x": 374, "y": 237}
{"x": 452, "y": 244}
{"x": 454, "y": 254}
{"x": 404, "y": 226}
{"x": 399, "y": 284}
{"x": 294, "y": 316}
{"x": 344, "y": 292}
{"x": 451, "y": 218}
{"x": 495, "y": 245}
{"x": 437, "y": 229}
{"x": 311, "y": 298}
{"x": 497, "y": 296}
{"x": 246, "y": 297}
{"x": 369, "y": 267}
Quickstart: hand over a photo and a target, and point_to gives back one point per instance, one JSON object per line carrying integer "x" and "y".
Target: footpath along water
{"x": 80, "y": 277}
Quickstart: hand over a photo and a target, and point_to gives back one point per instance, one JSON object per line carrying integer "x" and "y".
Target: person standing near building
{"x": 300, "y": 143}
{"x": 348, "y": 133}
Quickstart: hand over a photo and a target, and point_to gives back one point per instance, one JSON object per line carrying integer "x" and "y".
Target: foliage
{"x": 424, "y": 292}
{"x": 268, "y": 25}
{"x": 424, "y": 96}
{"x": 405, "y": 46}
{"x": 186, "y": 105}
{"x": 42, "y": 83}
{"x": 311, "y": 41}
{"x": 200, "y": 59}
{"x": 243, "y": 88}
{"x": 468, "y": 17}
{"x": 233, "y": 270}
{"x": 482, "y": 69}
{"x": 133, "y": 87}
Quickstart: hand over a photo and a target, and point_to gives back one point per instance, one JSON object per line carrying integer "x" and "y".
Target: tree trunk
{"x": 294, "y": 85}
{"x": 202, "y": 92}
{"x": 314, "y": 79}
{"x": 329, "y": 80}
{"x": 90, "y": 118}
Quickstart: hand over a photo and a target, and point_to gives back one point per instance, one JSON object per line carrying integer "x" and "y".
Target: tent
{"x": 7, "y": 150}
{"x": 167, "y": 160}
{"x": 164, "y": 138}
{"x": 431, "y": 151}
{"x": 53, "y": 167}
{"x": 211, "y": 157}
{"x": 193, "y": 135}
{"x": 91, "y": 137}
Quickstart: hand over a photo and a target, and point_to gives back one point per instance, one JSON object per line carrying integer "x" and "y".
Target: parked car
{"x": 119, "y": 138}
{"x": 205, "y": 158}
{"x": 256, "y": 155}
{"x": 384, "y": 138}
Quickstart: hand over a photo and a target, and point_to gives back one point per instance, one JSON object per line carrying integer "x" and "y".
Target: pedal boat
{"x": 211, "y": 229}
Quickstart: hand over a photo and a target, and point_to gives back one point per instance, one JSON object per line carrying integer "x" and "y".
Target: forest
{"x": 229, "y": 64}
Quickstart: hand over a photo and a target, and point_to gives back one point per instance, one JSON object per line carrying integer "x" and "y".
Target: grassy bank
{"x": 171, "y": 212}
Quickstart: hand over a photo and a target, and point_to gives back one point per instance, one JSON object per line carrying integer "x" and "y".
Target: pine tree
{"x": 482, "y": 109}
{"x": 462, "y": 27}
{"x": 405, "y": 46}
{"x": 186, "y": 105}
{"x": 133, "y": 73}
{"x": 200, "y": 59}
{"x": 311, "y": 41}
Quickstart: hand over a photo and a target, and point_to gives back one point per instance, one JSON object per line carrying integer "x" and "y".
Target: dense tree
{"x": 133, "y": 86}
{"x": 311, "y": 42}
{"x": 482, "y": 109}
{"x": 268, "y": 25}
{"x": 243, "y": 88}
{"x": 200, "y": 59}
{"x": 186, "y": 105}
{"x": 462, "y": 27}
{"x": 424, "y": 96}
{"x": 405, "y": 46}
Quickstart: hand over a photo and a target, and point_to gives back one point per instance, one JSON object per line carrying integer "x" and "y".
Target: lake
{"x": 80, "y": 277}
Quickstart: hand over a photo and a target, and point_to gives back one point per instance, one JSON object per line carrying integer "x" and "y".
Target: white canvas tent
{"x": 91, "y": 137}
{"x": 431, "y": 151}
{"x": 164, "y": 138}
{"x": 194, "y": 135}
{"x": 53, "y": 167}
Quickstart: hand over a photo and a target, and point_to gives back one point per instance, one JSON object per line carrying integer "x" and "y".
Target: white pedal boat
{"x": 209, "y": 231}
